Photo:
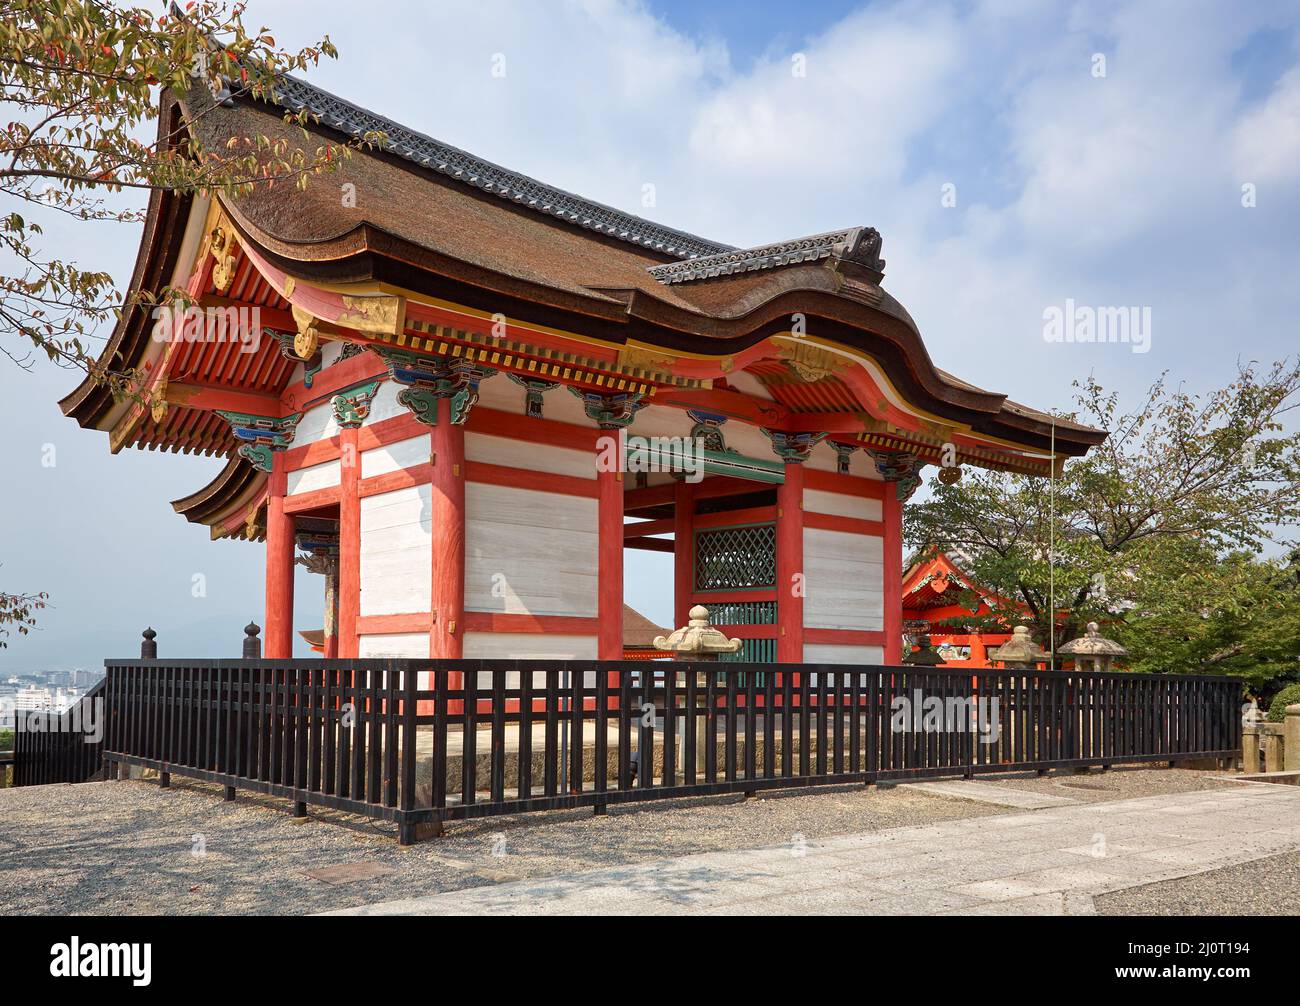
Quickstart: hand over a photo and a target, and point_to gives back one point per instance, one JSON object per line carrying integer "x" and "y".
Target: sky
{"x": 1014, "y": 155}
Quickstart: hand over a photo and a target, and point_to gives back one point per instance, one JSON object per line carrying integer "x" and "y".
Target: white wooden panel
{"x": 396, "y": 552}
{"x": 305, "y": 480}
{"x": 511, "y": 453}
{"x": 385, "y": 404}
{"x": 317, "y": 423}
{"x": 394, "y": 644}
{"x": 529, "y": 646}
{"x": 395, "y": 457}
{"x": 664, "y": 421}
{"x": 503, "y": 395}
{"x": 529, "y": 552}
{"x": 843, "y": 580}
{"x": 824, "y": 459}
{"x": 841, "y": 504}
{"x": 835, "y": 653}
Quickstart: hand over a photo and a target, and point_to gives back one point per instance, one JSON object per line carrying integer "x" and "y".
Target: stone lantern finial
{"x": 697, "y": 639}
{"x": 1092, "y": 650}
{"x": 1020, "y": 651}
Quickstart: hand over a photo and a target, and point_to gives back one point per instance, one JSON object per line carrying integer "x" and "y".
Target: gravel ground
{"x": 132, "y": 848}
{"x": 1264, "y": 887}
{"x": 129, "y": 847}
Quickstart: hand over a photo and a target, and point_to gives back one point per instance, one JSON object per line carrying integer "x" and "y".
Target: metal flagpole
{"x": 1051, "y": 554}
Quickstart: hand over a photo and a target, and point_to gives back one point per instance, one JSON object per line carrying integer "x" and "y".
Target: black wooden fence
{"x": 417, "y": 741}
{"x": 54, "y": 747}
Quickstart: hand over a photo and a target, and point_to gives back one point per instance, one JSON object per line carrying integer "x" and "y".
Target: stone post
{"x": 1291, "y": 739}
{"x": 1249, "y": 747}
{"x": 1272, "y": 746}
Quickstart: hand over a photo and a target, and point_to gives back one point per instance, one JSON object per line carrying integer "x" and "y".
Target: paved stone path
{"x": 991, "y": 792}
{"x": 1049, "y": 861}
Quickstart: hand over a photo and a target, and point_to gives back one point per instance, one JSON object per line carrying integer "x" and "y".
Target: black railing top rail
{"x": 722, "y": 667}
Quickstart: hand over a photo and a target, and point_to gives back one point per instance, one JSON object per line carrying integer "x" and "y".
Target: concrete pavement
{"x": 1050, "y": 861}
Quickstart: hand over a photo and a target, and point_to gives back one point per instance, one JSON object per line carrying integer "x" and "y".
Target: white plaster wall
{"x": 843, "y": 580}
{"x": 317, "y": 423}
{"x": 824, "y": 459}
{"x": 305, "y": 480}
{"x": 835, "y": 653}
{"x": 512, "y": 453}
{"x": 396, "y": 552}
{"x": 841, "y": 505}
{"x": 529, "y": 552}
{"x": 394, "y": 644}
{"x": 529, "y": 646}
{"x": 385, "y": 405}
{"x": 505, "y": 395}
{"x": 395, "y": 457}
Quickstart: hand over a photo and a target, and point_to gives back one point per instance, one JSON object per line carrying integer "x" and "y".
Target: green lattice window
{"x": 743, "y": 613}
{"x": 736, "y": 558}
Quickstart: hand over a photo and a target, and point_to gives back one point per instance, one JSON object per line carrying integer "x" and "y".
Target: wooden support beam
{"x": 650, "y": 544}
{"x": 447, "y": 509}
{"x": 645, "y": 528}
{"x": 279, "y": 567}
{"x": 609, "y": 645}
{"x": 789, "y": 566}
{"x": 197, "y": 395}
{"x": 349, "y": 543}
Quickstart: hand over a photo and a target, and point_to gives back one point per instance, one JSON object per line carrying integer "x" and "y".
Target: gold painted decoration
{"x": 811, "y": 363}
{"x": 222, "y": 243}
{"x": 307, "y": 341}
{"x": 158, "y": 405}
{"x": 374, "y": 314}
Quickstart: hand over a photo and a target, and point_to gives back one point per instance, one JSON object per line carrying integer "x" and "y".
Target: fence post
{"x": 149, "y": 645}
{"x": 252, "y": 645}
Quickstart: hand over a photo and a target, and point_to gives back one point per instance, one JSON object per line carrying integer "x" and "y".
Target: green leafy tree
{"x": 79, "y": 79}
{"x": 1161, "y": 523}
{"x": 18, "y": 614}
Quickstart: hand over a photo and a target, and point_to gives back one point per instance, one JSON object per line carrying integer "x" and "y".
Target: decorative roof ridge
{"x": 349, "y": 118}
{"x": 860, "y": 245}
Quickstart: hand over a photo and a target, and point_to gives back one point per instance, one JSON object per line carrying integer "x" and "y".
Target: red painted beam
{"x": 683, "y": 548}
{"x": 789, "y": 566}
{"x": 650, "y": 544}
{"x": 194, "y": 395}
{"x": 279, "y": 567}
{"x": 609, "y": 645}
{"x": 645, "y": 528}
{"x": 349, "y": 544}
{"x": 893, "y": 576}
{"x": 447, "y": 509}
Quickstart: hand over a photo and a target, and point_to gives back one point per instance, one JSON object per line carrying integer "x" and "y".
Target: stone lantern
{"x": 1020, "y": 651}
{"x": 1092, "y": 651}
{"x": 925, "y": 656}
{"x": 697, "y": 639}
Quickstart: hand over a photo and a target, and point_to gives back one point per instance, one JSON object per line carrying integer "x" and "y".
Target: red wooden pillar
{"x": 683, "y": 550}
{"x": 609, "y": 643}
{"x": 279, "y": 566}
{"x": 979, "y": 655}
{"x": 349, "y": 543}
{"x": 893, "y": 574}
{"x": 447, "y": 508}
{"x": 789, "y": 566}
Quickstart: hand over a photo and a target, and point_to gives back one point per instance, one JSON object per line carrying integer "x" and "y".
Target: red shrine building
{"x": 459, "y": 395}
{"x": 938, "y": 595}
